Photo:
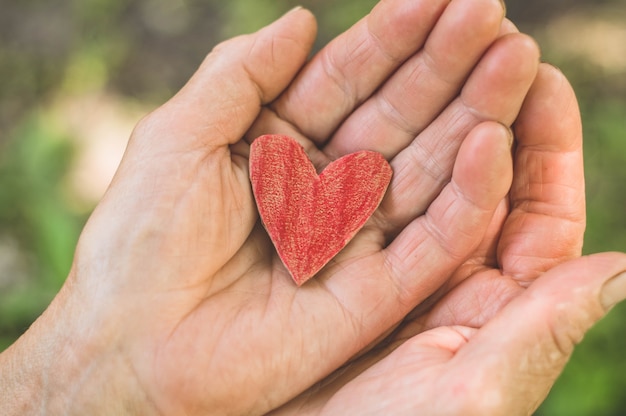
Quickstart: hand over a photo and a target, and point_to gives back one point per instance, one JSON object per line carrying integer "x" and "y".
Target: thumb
{"x": 518, "y": 355}
{"x": 223, "y": 98}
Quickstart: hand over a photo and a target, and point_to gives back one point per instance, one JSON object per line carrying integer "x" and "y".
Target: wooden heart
{"x": 311, "y": 217}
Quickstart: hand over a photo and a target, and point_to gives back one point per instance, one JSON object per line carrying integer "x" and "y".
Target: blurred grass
{"x": 142, "y": 51}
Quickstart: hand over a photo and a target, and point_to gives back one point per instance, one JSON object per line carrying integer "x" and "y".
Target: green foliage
{"x": 35, "y": 211}
{"x": 246, "y": 16}
{"x": 605, "y": 154}
{"x": 34, "y": 200}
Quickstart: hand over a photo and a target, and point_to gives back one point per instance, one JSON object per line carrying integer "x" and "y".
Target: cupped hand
{"x": 494, "y": 338}
{"x": 177, "y": 302}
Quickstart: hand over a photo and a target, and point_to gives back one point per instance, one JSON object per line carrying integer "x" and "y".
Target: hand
{"x": 177, "y": 303}
{"x": 505, "y": 366}
{"x": 495, "y": 337}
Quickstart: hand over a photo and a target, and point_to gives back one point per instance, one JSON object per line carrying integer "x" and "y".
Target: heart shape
{"x": 311, "y": 217}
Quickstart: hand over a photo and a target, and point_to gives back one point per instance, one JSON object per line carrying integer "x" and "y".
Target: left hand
{"x": 493, "y": 340}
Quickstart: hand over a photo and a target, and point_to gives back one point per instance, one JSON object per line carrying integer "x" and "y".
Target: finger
{"x": 506, "y": 367}
{"x": 533, "y": 337}
{"x": 350, "y": 68}
{"x": 547, "y": 221}
{"x": 495, "y": 91}
{"x": 435, "y": 244}
{"x": 388, "y": 381}
{"x": 419, "y": 90}
{"x": 508, "y": 27}
{"x": 464, "y": 300}
{"x": 222, "y": 99}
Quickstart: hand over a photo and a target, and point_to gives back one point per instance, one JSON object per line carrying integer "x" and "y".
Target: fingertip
{"x": 551, "y": 79}
{"x": 239, "y": 76}
{"x": 484, "y": 167}
{"x": 496, "y": 134}
{"x": 279, "y": 50}
{"x": 526, "y": 46}
{"x": 614, "y": 288}
{"x": 304, "y": 15}
{"x": 508, "y": 27}
{"x": 502, "y": 78}
{"x": 550, "y": 117}
{"x": 508, "y": 132}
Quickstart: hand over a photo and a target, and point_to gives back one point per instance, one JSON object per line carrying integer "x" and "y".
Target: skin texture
{"x": 457, "y": 297}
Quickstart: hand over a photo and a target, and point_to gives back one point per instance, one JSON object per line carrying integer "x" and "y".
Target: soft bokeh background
{"x": 76, "y": 75}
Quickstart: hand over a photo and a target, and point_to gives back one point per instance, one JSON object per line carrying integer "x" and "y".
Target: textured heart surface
{"x": 311, "y": 217}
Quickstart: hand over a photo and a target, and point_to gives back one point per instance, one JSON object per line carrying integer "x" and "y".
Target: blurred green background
{"x": 76, "y": 75}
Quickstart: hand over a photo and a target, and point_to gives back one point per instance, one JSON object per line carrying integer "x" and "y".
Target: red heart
{"x": 310, "y": 218}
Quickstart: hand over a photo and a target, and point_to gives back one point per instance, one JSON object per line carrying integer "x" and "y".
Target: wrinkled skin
{"x": 459, "y": 296}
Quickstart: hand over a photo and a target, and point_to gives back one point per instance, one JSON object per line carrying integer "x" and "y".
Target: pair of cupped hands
{"x": 465, "y": 292}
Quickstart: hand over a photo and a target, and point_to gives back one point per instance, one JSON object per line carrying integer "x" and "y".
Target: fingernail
{"x": 295, "y": 9}
{"x": 510, "y": 135}
{"x": 503, "y": 6}
{"x": 614, "y": 291}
